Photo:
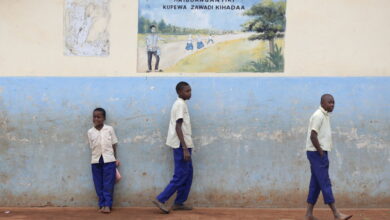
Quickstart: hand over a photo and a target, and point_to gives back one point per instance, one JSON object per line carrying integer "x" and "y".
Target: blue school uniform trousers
{"x": 181, "y": 181}
{"x": 189, "y": 46}
{"x": 104, "y": 180}
{"x": 319, "y": 180}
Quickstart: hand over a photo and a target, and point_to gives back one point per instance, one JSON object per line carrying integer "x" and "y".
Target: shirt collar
{"x": 324, "y": 111}
{"x": 178, "y": 98}
{"x": 104, "y": 125}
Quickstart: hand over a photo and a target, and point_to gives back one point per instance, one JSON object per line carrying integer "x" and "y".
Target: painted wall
{"x": 249, "y": 131}
{"x": 249, "y": 135}
{"x": 323, "y": 37}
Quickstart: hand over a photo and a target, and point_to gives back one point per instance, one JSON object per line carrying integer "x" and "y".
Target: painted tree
{"x": 162, "y": 26}
{"x": 268, "y": 21}
{"x": 142, "y": 22}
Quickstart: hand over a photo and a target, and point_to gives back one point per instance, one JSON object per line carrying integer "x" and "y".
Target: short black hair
{"x": 324, "y": 96}
{"x": 100, "y": 110}
{"x": 152, "y": 26}
{"x": 180, "y": 86}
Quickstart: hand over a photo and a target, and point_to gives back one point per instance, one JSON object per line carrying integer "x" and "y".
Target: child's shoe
{"x": 161, "y": 206}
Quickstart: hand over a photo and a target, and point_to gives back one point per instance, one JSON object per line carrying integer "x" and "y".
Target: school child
{"x": 189, "y": 45}
{"x": 103, "y": 142}
{"x": 318, "y": 145}
{"x": 180, "y": 140}
{"x": 210, "y": 39}
{"x": 200, "y": 43}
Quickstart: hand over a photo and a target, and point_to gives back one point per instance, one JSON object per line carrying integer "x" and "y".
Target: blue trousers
{"x": 319, "y": 180}
{"x": 181, "y": 181}
{"x": 104, "y": 180}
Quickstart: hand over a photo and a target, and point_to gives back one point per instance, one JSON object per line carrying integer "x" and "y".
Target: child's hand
{"x": 117, "y": 162}
{"x": 321, "y": 152}
{"x": 187, "y": 155}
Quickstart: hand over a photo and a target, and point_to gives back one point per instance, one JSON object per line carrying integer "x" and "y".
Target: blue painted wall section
{"x": 249, "y": 135}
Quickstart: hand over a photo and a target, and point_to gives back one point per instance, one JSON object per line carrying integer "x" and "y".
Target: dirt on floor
{"x": 196, "y": 214}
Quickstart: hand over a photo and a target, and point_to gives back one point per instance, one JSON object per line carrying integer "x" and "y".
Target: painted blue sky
{"x": 210, "y": 19}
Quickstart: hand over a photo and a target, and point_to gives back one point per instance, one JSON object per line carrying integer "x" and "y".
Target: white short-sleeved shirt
{"x": 320, "y": 122}
{"x": 152, "y": 42}
{"x": 101, "y": 143}
{"x": 179, "y": 111}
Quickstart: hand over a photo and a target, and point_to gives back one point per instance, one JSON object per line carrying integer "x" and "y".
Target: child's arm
{"x": 162, "y": 39}
{"x": 114, "y": 142}
{"x": 89, "y": 140}
{"x": 179, "y": 131}
{"x": 315, "y": 126}
{"x": 316, "y": 143}
{"x": 117, "y": 161}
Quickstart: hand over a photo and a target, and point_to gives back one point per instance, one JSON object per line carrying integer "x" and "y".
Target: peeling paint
{"x": 112, "y": 99}
{"x": 205, "y": 140}
{"x": 153, "y": 138}
{"x": 362, "y": 141}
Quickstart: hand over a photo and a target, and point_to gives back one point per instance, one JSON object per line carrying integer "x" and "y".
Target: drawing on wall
{"x": 86, "y": 27}
{"x": 213, "y": 36}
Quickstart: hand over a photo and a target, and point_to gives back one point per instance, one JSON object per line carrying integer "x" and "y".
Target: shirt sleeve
{"x": 316, "y": 122}
{"x": 179, "y": 112}
{"x": 114, "y": 139}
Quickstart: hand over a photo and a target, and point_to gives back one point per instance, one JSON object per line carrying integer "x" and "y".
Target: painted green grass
{"x": 225, "y": 57}
{"x": 273, "y": 62}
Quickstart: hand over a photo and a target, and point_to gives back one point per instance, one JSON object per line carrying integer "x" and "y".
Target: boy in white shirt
{"x": 179, "y": 138}
{"x": 103, "y": 142}
{"x": 318, "y": 144}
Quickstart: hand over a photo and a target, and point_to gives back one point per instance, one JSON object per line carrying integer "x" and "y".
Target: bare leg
{"x": 337, "y": 214}
{"x": 309, "y": 212}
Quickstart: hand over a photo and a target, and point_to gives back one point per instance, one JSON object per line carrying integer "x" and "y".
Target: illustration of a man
{"x": 153, "y": 49}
